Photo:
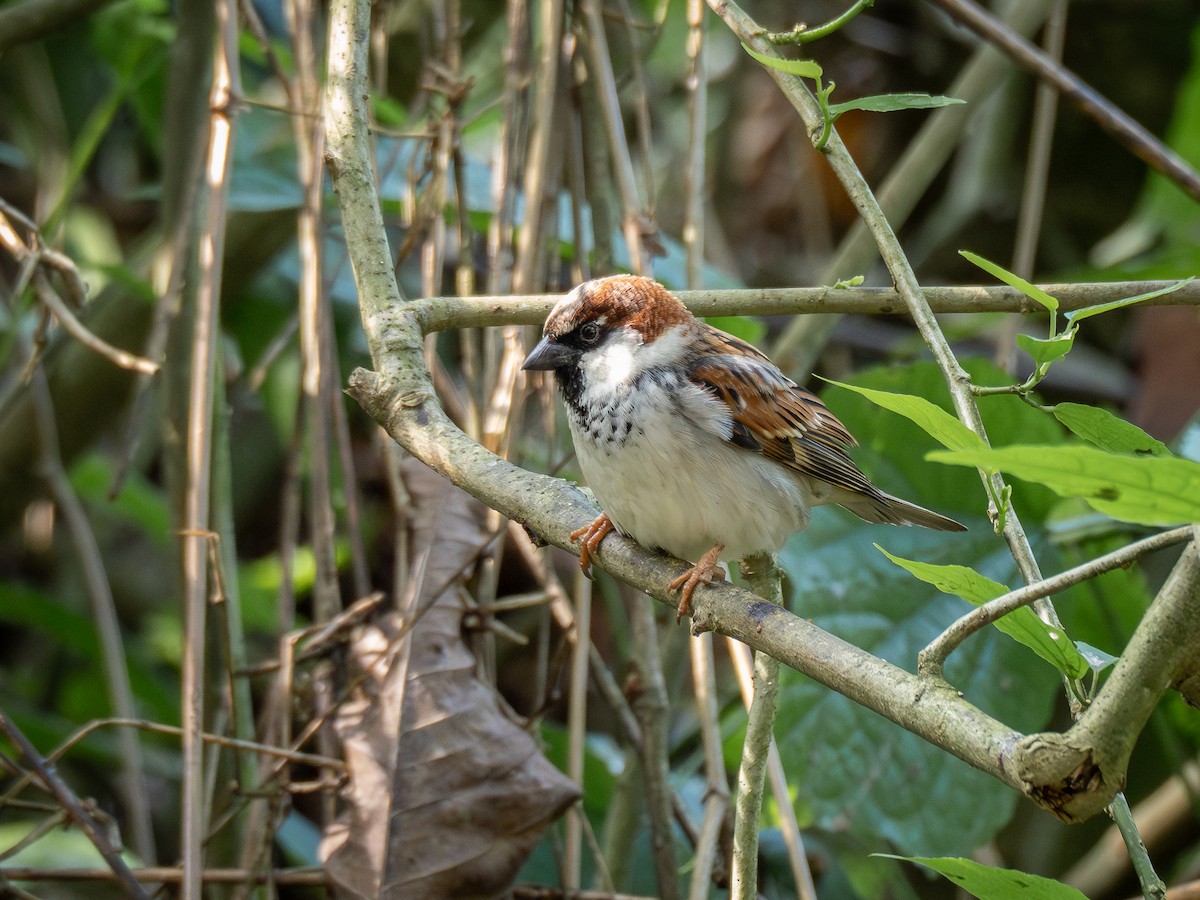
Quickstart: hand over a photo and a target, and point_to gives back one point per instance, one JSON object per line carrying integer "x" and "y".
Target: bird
{"x": 691, "y": 439}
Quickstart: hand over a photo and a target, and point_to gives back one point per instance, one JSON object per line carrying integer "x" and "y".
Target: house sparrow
{"x": 690, "y": 438}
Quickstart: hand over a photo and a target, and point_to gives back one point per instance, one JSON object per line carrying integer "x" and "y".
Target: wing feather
{"x": 774, "y": 416}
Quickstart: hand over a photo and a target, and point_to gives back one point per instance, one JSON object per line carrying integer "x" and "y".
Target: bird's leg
{"x": 589, "y": 540}
{"x": 701, "y": 573}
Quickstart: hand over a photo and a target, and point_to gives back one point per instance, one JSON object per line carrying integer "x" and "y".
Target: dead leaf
{"x": 446, "y": 796}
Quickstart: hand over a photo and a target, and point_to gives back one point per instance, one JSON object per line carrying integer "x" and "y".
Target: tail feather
{"x": 894, "y": 511}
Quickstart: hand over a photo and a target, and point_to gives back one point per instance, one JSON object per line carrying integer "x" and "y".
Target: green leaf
{"x": 992, "y": 883}
{"x": 1032, "y": 291}
{"x": 1147, "y": 490}
{"x": 1088, "y": 311}
{"x": 1108, "y": 432}
{"x": 892, "y": 449}
{"x": 935, "y": 421}
{"x": 1047, "y": 350}
{"x": 805, "y": 68}
{"x": 828, "y": 742}
{"x": 1022, "y": 625}
{"x": 893, "y": 103}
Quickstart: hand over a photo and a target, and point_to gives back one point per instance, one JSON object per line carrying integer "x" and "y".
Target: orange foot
{"x": 701, "y": 573}
{"x": 590, "y": 538}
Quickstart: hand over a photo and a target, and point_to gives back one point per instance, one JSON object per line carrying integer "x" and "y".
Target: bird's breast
{"x": 668, "y": 478}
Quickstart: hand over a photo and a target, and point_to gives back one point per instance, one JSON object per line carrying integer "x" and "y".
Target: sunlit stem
{"x": 802, "y": 34}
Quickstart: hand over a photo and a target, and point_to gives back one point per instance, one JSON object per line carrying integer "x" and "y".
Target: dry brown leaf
{"x": 446, "y": 796}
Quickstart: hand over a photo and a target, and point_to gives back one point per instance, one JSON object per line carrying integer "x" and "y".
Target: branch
{"x": 1130, "y": 133}
{"x": 66, "y": 798}
{"x": 403, "y": 403}
{"x": 1097, "y": 747}
{"x": 934, "y": 656}
{"x": 400, "y": 397}
{"x": 445, "y": 313}
{"x": 765, "y": 576}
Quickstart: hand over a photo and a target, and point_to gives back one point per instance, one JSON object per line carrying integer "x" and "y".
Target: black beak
{"x": 549, "y": 355}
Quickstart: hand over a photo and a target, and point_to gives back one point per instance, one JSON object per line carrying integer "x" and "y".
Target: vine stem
{"x": 904, "y": 279}
{"x": 765, "y": 577}
{"x": 801, "y": 34}
{"x": 934, "y": 656}
{"x": 1131, "y": 134}
{"x": 1152, "y": 886}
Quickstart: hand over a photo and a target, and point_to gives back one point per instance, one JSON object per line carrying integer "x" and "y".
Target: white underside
{"x": 676, "y": 482}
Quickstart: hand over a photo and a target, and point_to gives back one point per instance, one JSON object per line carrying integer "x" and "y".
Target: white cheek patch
{"x": 609, "y": 367}
{"x": 624, "y": 357}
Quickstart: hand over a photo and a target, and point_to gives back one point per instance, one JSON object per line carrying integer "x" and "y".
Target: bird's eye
{"x": 589, "y": 332}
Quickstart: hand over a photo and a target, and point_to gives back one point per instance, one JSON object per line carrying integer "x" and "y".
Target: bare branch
{"x": 934, "y": 656}
{"x": 1081, "y": 765}
{"x": 66, "y": 798}
{"x": 1131, "y": 134}
{"x": 444, "y": 313}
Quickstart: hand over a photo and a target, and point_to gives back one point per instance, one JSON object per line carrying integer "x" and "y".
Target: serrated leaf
{"x": 932, "y": 419}
{"x": 992, "y": 882}
{"x": 805, "y": 68}
{"x": 1032, "y": 291}
{"x": 893, "y": 103}
{"x": 1108, "y": 432}
{"x": 1047, "y": 350}
{"x": 1022, "y": 625}
{"x": 829, "y": 742}
{"x": 1088, "y": 311}
{"x": 1147, "y": 490}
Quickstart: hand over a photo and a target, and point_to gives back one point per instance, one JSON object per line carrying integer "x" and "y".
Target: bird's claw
{"x": 589, "y": 538}
{"x": 702, "y": 572}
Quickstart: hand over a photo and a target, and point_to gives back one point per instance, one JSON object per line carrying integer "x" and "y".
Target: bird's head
{"x": 609, "y": 330}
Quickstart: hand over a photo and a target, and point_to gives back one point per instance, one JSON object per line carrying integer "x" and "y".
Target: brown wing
{"x": 774, "y": 416}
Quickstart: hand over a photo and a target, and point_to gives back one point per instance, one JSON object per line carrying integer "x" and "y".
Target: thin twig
{"x": 932, "y": 659}
{"x": 605, "y": 84}
{"x": 225, "y": 88}
{"x": 1041, "y": 141}
{"x": 694, "y": 180}
{"x": 167, "y": 875}
{"x": 41, "y": 259}
{"x": 316, "y": 381}
{"x": 716, "y": 796}
{"x": 67, "y": 799}
{"x": 1128, "y": 132}
{"x": 538, "y": 152}
{"x": 108, "y": 626}
{"x": 1037, "y": 172}
{"x": 1152, "y": 886}
{"x": 802, "y": 34}
{"x": 785, "y": 799}
{"x": 651, "y": 706}
{"x": 444, "y": 313}
{"x": 763, "y": 574}
{"x": 577, "y": 725}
